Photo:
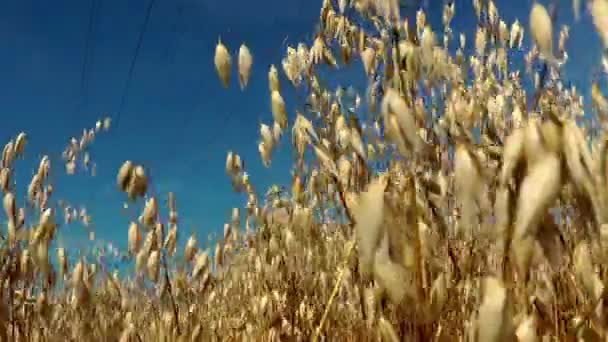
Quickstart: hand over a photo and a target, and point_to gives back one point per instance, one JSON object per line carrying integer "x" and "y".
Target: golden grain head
{"x": 245, "y": 63}
{"x": 541, "y": 29}
{"x": 223, "y": 63}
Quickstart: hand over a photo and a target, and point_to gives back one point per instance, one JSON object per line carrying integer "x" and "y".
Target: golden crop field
{"x": 488, "y": 220}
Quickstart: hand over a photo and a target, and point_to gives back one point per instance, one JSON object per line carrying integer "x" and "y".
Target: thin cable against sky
{"x": 183, "y": 139}
{"x": 171, "y": 51}
{"x": 125, "y": 94}
{"x": 93, "y": 13}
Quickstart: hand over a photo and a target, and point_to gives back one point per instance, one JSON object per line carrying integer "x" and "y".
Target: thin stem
{"x": 169, "y": 287}
{"x": 334, "y": 292}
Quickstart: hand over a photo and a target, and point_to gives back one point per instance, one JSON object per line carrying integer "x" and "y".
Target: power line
{"x": 183, "y": 139}
{"x": 133, "y": 61}
{"x": 174, "y": 29}
{"x": 95, "y": 5}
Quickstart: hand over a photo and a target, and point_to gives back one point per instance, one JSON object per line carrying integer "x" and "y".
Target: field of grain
{"x": 450, "y": 202}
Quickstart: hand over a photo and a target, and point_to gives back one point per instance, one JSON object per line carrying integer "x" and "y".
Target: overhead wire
{"x": 87, "y": 59}
{"x": 93, "y": 13}
{"x": 183, "y": 139}
{"x": 170, "y": 53}
{"x": 125, "y": 94}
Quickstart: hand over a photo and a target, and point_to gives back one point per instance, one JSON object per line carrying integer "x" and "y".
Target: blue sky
{"x": 178, "y": 120}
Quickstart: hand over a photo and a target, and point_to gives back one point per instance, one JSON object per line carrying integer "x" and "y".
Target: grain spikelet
{"x": 534, "y": 144}
{"x": 357, "y": 144}
{"x": 599, "y": 12}
{"x": 219, "y": 255}
{"x": 326, "y": 160}
{"x": 42, "y": 257}
{"x": 598, "y": 99}
{"x": 526, "y": 331}
{"x": 502, "y": 213}
{"x": 279, "y": 113}
{"x": 549, "y": 238}
{"x": 266, "y": 135}
{"x": 150, "y": 212}
{"x": 245, "y": 63}
{"x": 438, "y": 295}
{"x": 538, "y": 190}
{"x": 138, "y": 184}
{"x": 387, "y": 331}
{"x": 140, "y": 260}
{"x": 10, "y": 207}
{"x": 494, "y": 317}
{"x": 230, "y": 167}
{"x": 62, "y": 261}
{"x": 583, "y": 270}
{"x": 170, "y": 243}
{"x": 134, "y": 238}
{"x": 391, "y": 276}
{"x": 223, "y": 63}
{"x": 124, "y": 175}
{"x": 467, "y": 183}
{"x": 368, "y": 56}
{"x": 201, "y": 263}
{"x": 20, "y": 142}
{"x": 153, "y": 265}
{"x": 5, "y": 179}
{"x": 541, "y": 29}
{"x": 273, "y": 79}
{"x": 265, "y": 153}
{"x": 402, "y": 127}
{"x": 577, "y": 157}
{"x": 369, "y": 214}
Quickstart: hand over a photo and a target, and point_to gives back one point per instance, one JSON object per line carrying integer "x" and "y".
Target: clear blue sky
{"x": 178, "y": 120}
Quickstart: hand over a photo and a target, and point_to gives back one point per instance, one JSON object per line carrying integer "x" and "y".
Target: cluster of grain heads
{"x": 15, "y": 216}
{"x": 77, "y": 149}
{"x": 223, "y": 64}
{"x": 234, "y": 164}
{"x": 80, "y": 284}
{"x": 13, "y": 149}
{"x": 132, "y": 179}
{"x": 270, "y": 137}
{"x": 400, "y": 123}
{"x": 39, "y": 190}
{"x": 296, "y": 65}
{"x": 239, "y": 177}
